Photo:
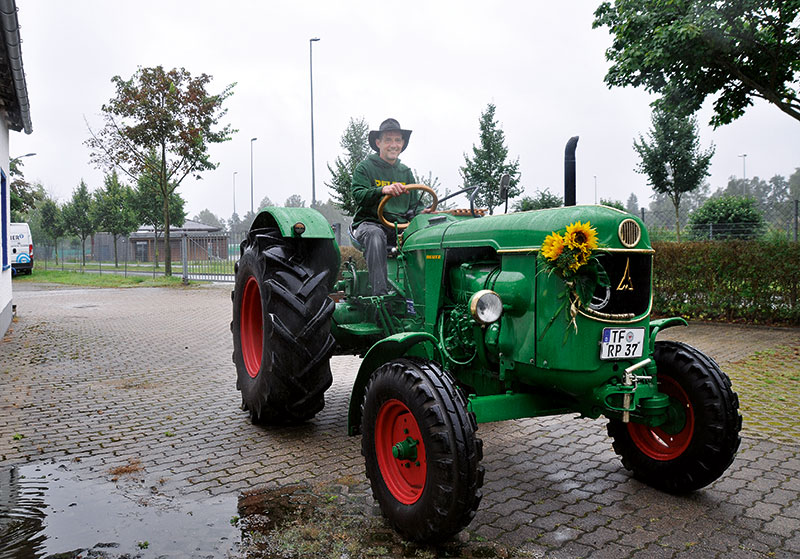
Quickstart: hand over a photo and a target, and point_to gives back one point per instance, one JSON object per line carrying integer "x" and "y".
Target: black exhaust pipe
{"x": 569, "y": 171}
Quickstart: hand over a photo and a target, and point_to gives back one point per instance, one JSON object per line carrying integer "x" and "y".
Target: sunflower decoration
{"x": 572, "y": 255}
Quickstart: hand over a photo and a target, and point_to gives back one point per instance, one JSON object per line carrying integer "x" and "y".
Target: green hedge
{"x": 753, "y": 281}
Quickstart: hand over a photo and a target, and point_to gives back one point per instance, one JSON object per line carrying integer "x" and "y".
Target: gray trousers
{"x": 374, "y": 239}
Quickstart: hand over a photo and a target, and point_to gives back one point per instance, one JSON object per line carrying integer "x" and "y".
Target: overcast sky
{"x": 434, "y": 66}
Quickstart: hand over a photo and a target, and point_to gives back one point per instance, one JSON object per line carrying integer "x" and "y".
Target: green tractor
{"x": 478, "y": 327}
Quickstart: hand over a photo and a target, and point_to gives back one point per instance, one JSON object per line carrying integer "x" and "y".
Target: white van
{"x": 20, "y": 248}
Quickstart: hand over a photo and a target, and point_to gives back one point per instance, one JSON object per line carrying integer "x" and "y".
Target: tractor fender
{"x": 662, "y": 324}
{"x": 391, "y": 347}
{"x": 314, "y": 224}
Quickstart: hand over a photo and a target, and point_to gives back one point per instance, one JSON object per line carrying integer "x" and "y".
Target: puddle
{"x": 46, "y": 511}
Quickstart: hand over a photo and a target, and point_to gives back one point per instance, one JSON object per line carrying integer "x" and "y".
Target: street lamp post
{"x": 13, "y": 159}
{"x": 233, "y": 225}
{"x": 251, "y": 173}
{"x": 311, "y": 72}
{"x": 744, "y": 173}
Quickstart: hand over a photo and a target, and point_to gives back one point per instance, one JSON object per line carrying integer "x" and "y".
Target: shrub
{"x": 727, "y": 217}
{"x": 754, "y": 281}
{"x": 349, "y": 252}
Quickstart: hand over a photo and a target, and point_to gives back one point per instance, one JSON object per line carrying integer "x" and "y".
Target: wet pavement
{"x": 120, "y": 425}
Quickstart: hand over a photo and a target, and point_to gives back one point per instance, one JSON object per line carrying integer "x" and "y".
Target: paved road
{"x": 104, "y": 376}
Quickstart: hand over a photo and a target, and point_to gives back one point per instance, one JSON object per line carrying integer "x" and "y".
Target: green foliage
{"x": 488, "y": 164}
{"x": 99, "y": 280}
{"x": 752, "y": 281}
{"x": 794, "y": 185}
{"x": 24, "y": 196}
{"x": 632, "y": 205}
{"x": 207, "y": 217}
{"x": 78, "y": 215}
{"x": 161, "y": 123}
{"x": 113, "y": 210}
{"x": 333, "y": 214}
{"x": 541, "y": 200}
{"x": 727, "y": 217}
{"x": 348, "y": 252}
{"x": 672, "y": 158}
{"x": 355, "y": 143}
{"x": 733, "y": 50}
{"x": 612, "y": 204}
{"x": 149, "y": 204}
{"x": 47, "y": 224}
{"x": 295, "y": 201}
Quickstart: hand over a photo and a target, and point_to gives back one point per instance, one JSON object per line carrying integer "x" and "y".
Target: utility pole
{"x": 311, "y": 70}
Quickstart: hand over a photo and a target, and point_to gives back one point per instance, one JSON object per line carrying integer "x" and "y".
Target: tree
{"x": 295, "y": 201}
{"x": 672, "y": 159}
{"x": 355, "y": 143}
{"x": 794, "y": 185}
{"x": 78, "y": 216}
{"x": 235, "y": 227}
{"x": 429, "y": 180}
{"x": 612, "y": 204}
{"x": 113, "y": 210}
{"x": 726, "y": 217}
{"x": 149, "y": 207}
{"x": 488, "y": 164}
{"x": 51, "y": 221}
{"x": 541, "y": 200}
{"x": 686, "y": 51}
{"x": 265, "y": 202}
{"x": 161, "y": 123}
{"x": 632, "y": 206}
{"x": 207, "y": 217}
{"x": 24, "y": 195}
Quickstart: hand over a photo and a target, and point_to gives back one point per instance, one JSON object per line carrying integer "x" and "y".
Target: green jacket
{"x": 370, "y": 176}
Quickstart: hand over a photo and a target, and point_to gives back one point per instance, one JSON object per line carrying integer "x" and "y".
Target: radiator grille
{"x": 630, "y": 233}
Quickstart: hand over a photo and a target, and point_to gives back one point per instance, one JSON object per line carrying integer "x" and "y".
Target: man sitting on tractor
{"x": 380, "y": 175}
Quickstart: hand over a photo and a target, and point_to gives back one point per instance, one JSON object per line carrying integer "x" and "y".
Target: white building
{"x": 14, "y": 115}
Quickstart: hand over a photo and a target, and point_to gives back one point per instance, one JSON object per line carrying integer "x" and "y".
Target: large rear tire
{"x": 703, "y": 437}
{"x": 281, "y": 325}
{"x": 422, "y": 456}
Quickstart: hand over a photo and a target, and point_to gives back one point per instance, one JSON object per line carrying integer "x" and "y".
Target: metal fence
{"x": 781, "y": 221}
{"x": 205, "y": 257}
{"x": 208, "y": 258}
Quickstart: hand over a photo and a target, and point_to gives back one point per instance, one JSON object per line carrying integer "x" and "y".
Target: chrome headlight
{"x": 486, "y": 306}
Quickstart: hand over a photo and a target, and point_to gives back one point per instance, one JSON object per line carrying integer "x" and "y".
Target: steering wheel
{"x": 387, "y": 197}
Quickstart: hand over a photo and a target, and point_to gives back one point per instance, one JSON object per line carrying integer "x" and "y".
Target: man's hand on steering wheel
{"x": 394, "y": 189}
{"x": 404, "y": 188}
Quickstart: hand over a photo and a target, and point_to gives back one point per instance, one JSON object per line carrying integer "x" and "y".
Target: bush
{"x": 727, "y": 217}
{"x": 349, "y": 252}
{"x": 753, "y": 281}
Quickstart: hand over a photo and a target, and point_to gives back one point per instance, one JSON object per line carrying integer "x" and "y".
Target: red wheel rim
{"x": 404, "y": 478}
{"x": 251, "y": 327}
{"x": 654, "y": 441}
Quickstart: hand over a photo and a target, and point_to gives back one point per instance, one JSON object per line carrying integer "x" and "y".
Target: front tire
{"x": 704, "y": 438}
{"x": 422, "y": 456}
{"x": 281, "y": 326}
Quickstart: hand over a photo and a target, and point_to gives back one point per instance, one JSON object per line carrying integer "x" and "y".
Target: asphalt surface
{"x": 101, "y": 378}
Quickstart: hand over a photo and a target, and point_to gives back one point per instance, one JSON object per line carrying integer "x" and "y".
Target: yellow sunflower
{"x": 581, "y": 258}
{"x": 553, "y": 246}
{"x": 581, "y": 236}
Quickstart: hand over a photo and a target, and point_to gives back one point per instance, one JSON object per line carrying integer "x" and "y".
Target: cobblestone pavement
{"x": 103, "y": 376}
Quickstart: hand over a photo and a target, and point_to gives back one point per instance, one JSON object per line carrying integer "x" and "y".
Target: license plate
{"x": 622, "y": 343}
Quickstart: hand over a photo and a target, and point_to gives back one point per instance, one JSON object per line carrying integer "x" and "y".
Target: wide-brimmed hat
{"x": 388, "y": 125}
